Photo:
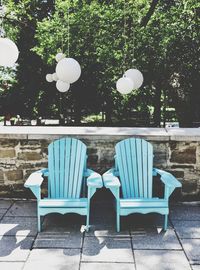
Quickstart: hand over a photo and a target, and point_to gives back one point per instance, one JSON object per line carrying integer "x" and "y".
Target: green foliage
{"x": 166, "y": 50}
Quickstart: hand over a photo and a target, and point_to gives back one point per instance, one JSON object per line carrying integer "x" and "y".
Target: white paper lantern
{"x": 136, "y": 76}
{"x": 59, "y": 56}
{"x": 8, "y": 52}
{"x": 68, "y": 70}
{"x": 125, "y": 85}
{"x": 62, "y": 86}
{"x": 49, "y": 78}
{"x": 55, "y": 77}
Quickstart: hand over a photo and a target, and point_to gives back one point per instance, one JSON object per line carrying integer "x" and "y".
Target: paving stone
{"x": 192, "y": 249}
{"x": 100, "y": 230}
{"x": 107, "y": 266}
{"x": 107, "y": 249}
{"x": 11, "y": 265}
{"x": 23, "y": 209}
{"x": 2, "y": 212}
{"x": 58, "y": 240}
{"x": 20, "y": 226}
{"x": 187, "y": 229}
{"x": 161, "y": 260}
{"x": 152, "y": 221}
{"x": 15, "y": 248}
{"x": 152, "y": 239}
{"x": 102, "y": 218}
{"x": 196, "y": 267}
{"x": 63, "y": 223}
{"x": 5, "y": 203}
{"x": 53, "y": 259}
{"x": 185, "y": 212}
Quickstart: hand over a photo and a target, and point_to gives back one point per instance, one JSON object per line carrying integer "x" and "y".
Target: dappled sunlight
{"x": 21, "y": 235}
{"x": 6, "y": 228}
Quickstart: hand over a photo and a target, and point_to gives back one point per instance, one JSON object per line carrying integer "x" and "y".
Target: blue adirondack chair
{"x": 70, "y": 184}
{"x": 130, "y": 181}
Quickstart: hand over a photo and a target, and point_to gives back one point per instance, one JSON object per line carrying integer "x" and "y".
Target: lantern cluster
{"x": 8, "y": 52}
{"x": 68, "y": 71}
{"x": 131, "y": 80}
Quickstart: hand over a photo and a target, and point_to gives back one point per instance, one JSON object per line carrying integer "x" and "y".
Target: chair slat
{"x": 135, "y": 168}
{"x": 51, "y": 165}
{"x": 121, "y": 169}
{"x": 150, "y": 166}
{"x": 66, "y": 166}
{"x": 62, "y": 168}
{"x": 76, "y": 170}
{"x": 134, "y": 161}
{"x": 72, "y": 167}
{"x": 129, "y": 168}
{"x": 57, "y": 167}
{"x": 145, "y": 168}
{"x": 139, "y": 165}
{"x": 81, "y": 171}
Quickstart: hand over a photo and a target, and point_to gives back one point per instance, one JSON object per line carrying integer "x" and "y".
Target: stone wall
{"x": 24, "y": 150}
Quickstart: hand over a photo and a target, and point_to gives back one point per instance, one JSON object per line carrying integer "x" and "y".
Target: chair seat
{"x": 63, "y": 203}
{"x": 143, "y": 203}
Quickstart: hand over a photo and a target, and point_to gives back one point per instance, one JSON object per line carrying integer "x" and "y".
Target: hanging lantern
{"x": 62, "y": 86}
{"x": 49, "y": 78}
{"x": 136, "y": 76}
{"x": 59, "y": 56}
{"x": 68, "y": 70}
{"x": 55, "y": 76}
{"x": 8, "y": 52}
{"x": 125, "y": 85}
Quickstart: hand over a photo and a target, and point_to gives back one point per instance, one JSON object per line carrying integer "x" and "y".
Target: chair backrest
{"x": 134, "y": 161}
{"x": 66, "y": 163}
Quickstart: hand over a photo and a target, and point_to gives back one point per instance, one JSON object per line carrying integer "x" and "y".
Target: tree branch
{"x": 15, "y": 22}
{"x": 150, "y": 12}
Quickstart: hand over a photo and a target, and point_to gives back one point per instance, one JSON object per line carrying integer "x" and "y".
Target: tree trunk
{"x": 157, "y": 105}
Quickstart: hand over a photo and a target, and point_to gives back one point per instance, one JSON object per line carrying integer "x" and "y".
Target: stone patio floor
{"x": 63, "y": 244}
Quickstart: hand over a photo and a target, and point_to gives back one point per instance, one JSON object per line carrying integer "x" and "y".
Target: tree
{"x": 160, "y": 36}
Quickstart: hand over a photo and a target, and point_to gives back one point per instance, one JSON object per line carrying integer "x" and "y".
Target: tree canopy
{"x": 160, "y": 38}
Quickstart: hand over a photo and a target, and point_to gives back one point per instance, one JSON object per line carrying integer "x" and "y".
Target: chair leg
{"x": 39, "y": 223}
{"x": 88, "y": 219}
{"x": 118, "y": 215}
{"x": 118, "y": 221}
{"x": 165, "y": 222}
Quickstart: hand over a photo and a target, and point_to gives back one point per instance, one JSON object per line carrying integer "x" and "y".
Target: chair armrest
{"x": 167, "y": 178}
{"x": 93, "y": 179}
{"x": 36, "y": 178}
{"x": 110, "y": 180}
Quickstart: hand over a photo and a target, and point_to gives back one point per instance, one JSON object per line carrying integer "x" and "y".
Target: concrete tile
{"x": 103, "y": 218}
{"x": 20, "y": 226}
{"x": 196, "y": 267}
{"x": 161, "y": 260}
{"x": 2, "y": 212}
{"x": 107, "y": 249}
{"x": 110, "y": 231}
{"x": 146, "y": 221}
{"x": 58, "y": 240}
{"x": 152, "y": 239}
{"x": 5, "y": 203}
{"x": 15, "y": 248}
{"x": 11, "y": 265}
{"x": 23, "y": 209}
{"x": 187, "y": 229}
{"x": 192, "y": 249}
{"x": 53, "y": 259}
{"x": 185, "y": 212}
{"x": 63, "y": 223}
{"x": 107, "y": 266}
